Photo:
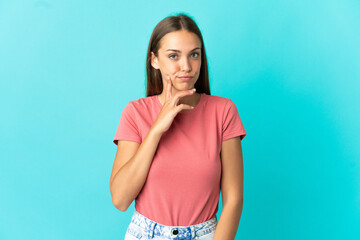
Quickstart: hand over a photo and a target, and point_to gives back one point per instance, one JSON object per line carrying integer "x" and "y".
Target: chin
{"x": 186, "y": 84}
{"x": 188, "y": 87}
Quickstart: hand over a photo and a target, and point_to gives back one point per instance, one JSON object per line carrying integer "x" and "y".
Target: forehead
{"x": 181, "y": 40}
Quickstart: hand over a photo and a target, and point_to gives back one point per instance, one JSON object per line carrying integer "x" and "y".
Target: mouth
{"x": 187, "y": 78}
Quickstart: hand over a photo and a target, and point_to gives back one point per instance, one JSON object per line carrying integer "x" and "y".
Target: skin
{"x": 232, "y": 184}
{"x": 186, "y": 61}
{"x": 133, "y": 160}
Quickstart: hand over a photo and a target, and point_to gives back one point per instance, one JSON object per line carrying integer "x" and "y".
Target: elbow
{"x": 119, "y": 205}
{"x": 121, "y": 208}
{"x": 119, "y": 201}
{"x": 116, "y": 201}
{"x": 239, "y": 202}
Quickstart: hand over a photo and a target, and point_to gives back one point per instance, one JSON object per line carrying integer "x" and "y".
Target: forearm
{"x": 130, "y": 178}
{"x": 229, "y": 221}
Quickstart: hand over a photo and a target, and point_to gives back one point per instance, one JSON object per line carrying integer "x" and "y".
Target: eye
{"x": 197, "y": 54}
{"x": 170, "y": 56}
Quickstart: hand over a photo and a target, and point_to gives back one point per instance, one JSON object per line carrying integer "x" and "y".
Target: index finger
{"x": 168, "y": 88}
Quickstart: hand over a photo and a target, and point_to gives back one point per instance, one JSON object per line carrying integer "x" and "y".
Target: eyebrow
{"x": 175, "y": 50}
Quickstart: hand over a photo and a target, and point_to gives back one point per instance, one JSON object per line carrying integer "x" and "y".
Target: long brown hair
{"x": 169, "y": 24}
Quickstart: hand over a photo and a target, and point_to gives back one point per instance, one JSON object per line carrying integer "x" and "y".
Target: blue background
{"x": 68, "y": 68}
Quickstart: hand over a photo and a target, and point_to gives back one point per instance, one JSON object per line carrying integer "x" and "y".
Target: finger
{"x": 183, "y": 106}
{"x": 168, "y": 87}
{"x": 181, "y": 94}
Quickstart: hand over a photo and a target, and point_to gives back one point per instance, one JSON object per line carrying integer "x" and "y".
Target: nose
{"x": 185, "y": 65}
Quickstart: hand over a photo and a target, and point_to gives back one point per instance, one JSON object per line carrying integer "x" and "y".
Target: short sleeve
{"x": 232, "y": 125}
{"x": 127, "y": 128}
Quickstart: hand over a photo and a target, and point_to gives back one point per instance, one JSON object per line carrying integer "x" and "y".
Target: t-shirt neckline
{"x": 181, "y": 113}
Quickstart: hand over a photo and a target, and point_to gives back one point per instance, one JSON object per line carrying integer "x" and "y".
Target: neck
{"x": 191, "y": 100}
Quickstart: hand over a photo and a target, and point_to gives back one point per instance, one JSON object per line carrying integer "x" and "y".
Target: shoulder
{"x": 142, "y": 105}
{"x": 142, "y": 102}
{"x": 220, "y": 106}
{"x": 218, "y": 101}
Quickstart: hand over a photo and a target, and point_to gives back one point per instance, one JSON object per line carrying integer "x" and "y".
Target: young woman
{"x": 179, "y": 146}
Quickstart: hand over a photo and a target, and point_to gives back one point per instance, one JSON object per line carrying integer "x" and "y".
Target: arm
{"x": 133, "y": 160}
{"x": 131, "y": 167}
{"x": 231, "y": 188}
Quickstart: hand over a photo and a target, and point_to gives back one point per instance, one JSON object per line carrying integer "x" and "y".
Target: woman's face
{"x": 179, "y": 55}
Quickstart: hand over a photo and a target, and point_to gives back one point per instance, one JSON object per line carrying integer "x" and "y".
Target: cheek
{"x": 172, "y": 68}
{"x": 168, "y": 66}
{"x": 198, "y": 64}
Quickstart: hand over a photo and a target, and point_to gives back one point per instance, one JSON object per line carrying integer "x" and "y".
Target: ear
{"x": 154, "y": 61}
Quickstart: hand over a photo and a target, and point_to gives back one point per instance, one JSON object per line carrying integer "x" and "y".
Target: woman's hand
{"x": 170, "y": 108}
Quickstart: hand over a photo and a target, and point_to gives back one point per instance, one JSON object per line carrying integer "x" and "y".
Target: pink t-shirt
{"x": 183, "y": 183}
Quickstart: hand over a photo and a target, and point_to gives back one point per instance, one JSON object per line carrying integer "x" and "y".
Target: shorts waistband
{"x": 152, "y": 228}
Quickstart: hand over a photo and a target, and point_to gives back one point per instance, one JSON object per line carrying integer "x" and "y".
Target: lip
{"x": 185, "y": 78}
